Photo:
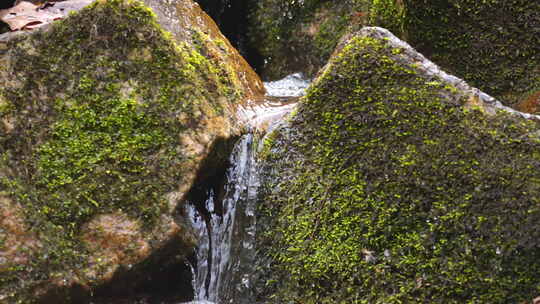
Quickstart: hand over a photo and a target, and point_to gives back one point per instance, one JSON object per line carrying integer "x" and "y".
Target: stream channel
{"x": 225, "y": 221}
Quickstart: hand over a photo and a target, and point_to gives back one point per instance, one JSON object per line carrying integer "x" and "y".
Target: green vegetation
{"x": 300, "y": 35}
{"x": 98, "y": 104}
{"x": 379, "y": 191}
{"x": 493, "y": 45}
{"x": 389, "y": 14}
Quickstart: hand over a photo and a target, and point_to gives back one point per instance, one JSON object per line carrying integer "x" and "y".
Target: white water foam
{"x": 226, "y": 234}
{"x": 294, "y": 85}
{"x": 280, "y": 100}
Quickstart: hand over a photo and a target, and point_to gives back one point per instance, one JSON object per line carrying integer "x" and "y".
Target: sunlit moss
{"x": 96, "y": 107}
{"x": 379, "y": 191}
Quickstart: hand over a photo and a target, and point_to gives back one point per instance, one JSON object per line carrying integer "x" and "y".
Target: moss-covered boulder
{"x": 494, "y": 45}
{"x": 299, "y": 36}
{"x": 395, "y": 182}
{"x": 187, "y": 21}
{"x": 106, "y": 118}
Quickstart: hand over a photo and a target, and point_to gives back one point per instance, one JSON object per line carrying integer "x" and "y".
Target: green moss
{"x": 389, "y": 14}
{"x": 99, "y": 104}
{"x": 379, "y": 191}
{"x": 223, "y": 74}
{"x": 493, "y": 45}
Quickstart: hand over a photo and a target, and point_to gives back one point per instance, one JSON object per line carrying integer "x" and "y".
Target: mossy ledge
{"x": 105, "y": 120}
{"x": 384, "y": 188}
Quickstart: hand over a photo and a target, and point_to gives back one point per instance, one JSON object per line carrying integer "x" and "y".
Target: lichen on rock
{"x": 106, "y": 119}
{"x": 391, "y": 184}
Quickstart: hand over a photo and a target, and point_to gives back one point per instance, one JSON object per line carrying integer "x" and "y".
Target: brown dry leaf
{"x": 27, "y": 16}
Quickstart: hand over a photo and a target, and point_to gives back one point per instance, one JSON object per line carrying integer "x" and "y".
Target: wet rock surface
{"x": 395, "y": 181}
{"x": 107, "y": 119}
{"x": 392, "y": 181}
{"x": 232, "y": 17}
{"x": 223, "y": 212}
{"x": 178, "y": 17}
{"x": 225, "y": 224}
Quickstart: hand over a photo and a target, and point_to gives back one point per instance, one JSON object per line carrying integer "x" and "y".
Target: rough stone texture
{"x": 18, "y": 243}
{"x": 180, "y": 17}
{"x": 107, "y": 119}
{"x": 395, "y": 182}
{"x": 531, "y": 104}
{"x": 474, "y": 97}
{"x": 493, "y": 45}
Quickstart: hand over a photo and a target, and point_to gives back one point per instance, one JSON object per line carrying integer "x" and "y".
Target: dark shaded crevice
{"x": 4, "y": 28}
{"x": 165, "y": 278}
{"x": 232, "y": 17}
{"x": 6, "y": 4}
{"x": 211, "y": 182}
{"x": 168, "y": 281}
{"x": 211, "y": 177}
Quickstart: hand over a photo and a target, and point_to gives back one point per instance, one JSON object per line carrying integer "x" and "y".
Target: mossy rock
{"x": 494, "y": 45}
{"x": 393, "y": 183}
{"x": 182, "y": 17}
{"x": 105, "y": 122}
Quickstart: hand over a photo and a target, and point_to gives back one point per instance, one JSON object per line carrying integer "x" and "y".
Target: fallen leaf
{"x": 28, "y": 16}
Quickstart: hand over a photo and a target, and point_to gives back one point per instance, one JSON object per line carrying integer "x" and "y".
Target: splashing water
{"x": 294, "y": 85}
{"x": 226, "y": 225}
{"x": 226, "y": 233}
{"x": 280, "y": 100}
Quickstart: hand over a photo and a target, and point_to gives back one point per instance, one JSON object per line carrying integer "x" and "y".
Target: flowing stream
{"x": 225, "y": 223}
{"x": 226, "y": 233}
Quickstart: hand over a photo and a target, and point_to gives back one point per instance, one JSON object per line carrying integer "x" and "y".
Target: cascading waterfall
{"x": 225, "y": 225}
{"x": 226, "y": 233}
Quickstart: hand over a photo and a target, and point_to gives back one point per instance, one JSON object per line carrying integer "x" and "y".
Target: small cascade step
{"x": 224, "y": 219}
